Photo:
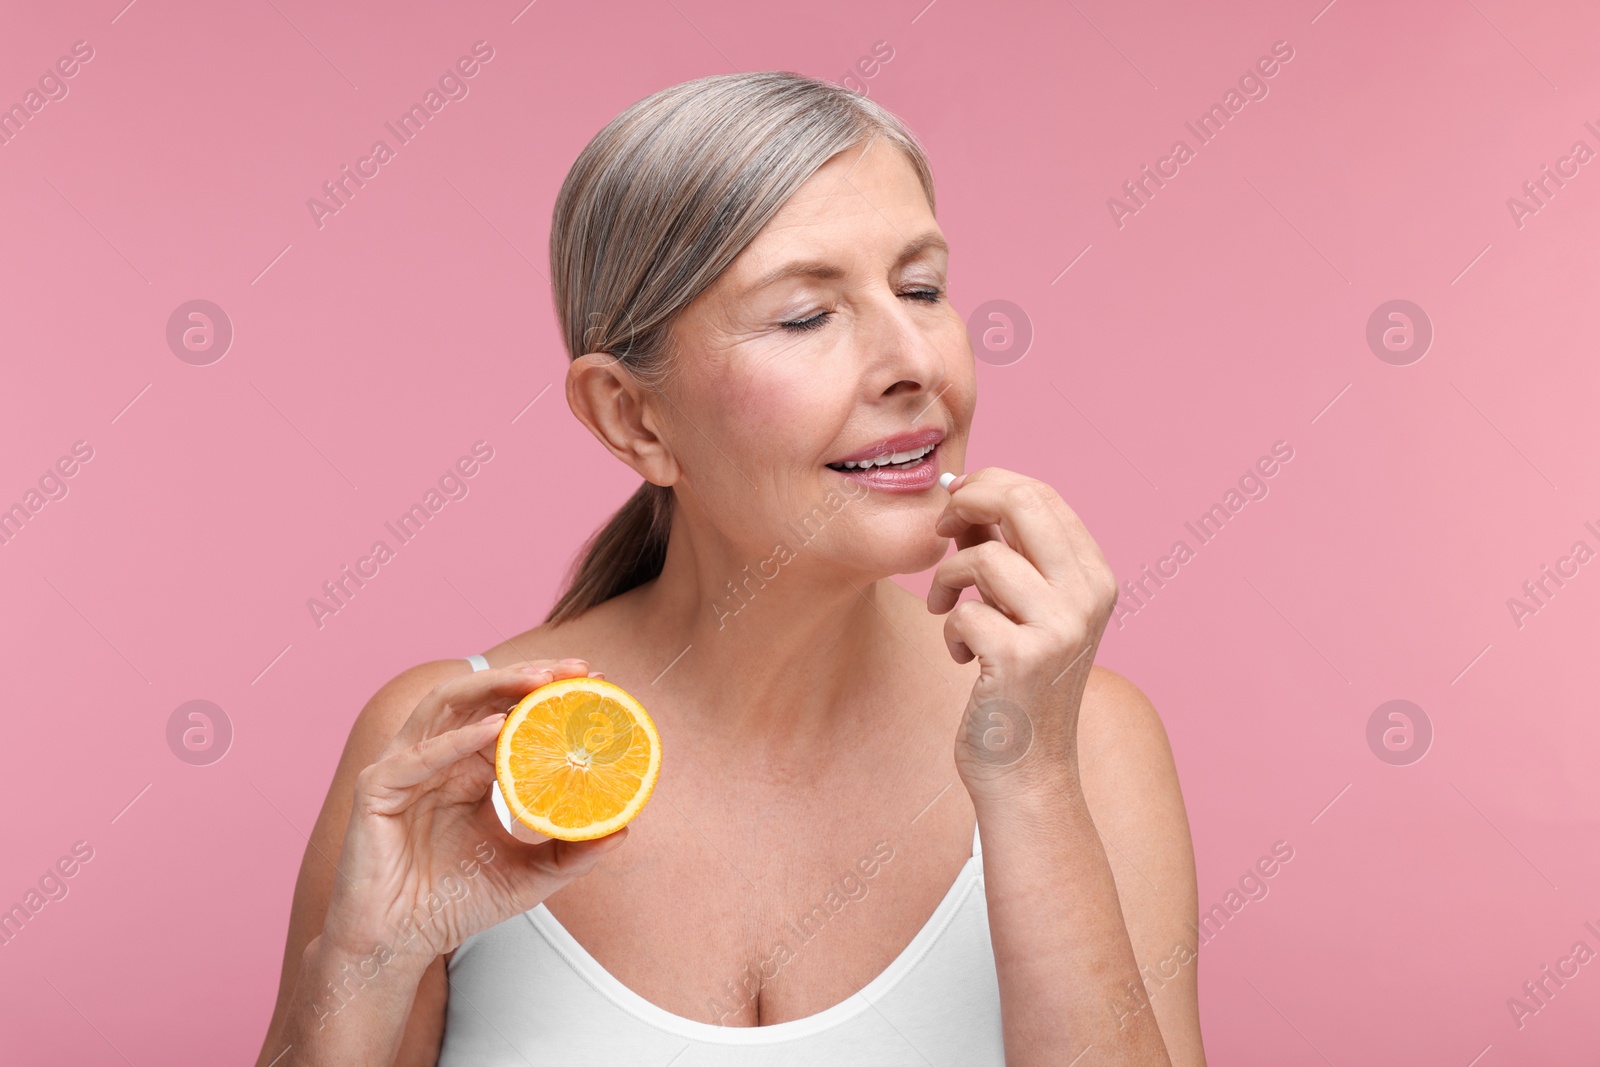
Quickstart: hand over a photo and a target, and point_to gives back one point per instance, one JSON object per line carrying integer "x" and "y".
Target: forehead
{"x": 861, "y": 199}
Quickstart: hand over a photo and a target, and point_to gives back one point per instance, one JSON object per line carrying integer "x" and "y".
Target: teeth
{"x": 884, "y": 461}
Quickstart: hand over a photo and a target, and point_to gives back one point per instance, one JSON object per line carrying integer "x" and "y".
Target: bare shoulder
{"x": 1119, "y": 728}
{"x": 389, "y": 708}
{"x": 607, "y": 636}
{"x": 1130, "y": 779}
{"x": 395, "y": 700}
{"x": 546, "y": 641}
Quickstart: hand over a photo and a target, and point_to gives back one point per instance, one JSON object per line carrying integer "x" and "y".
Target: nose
{"x": 904, "y": 358}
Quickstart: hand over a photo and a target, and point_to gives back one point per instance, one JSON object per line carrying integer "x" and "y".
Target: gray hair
{"x": 654, "y": 209}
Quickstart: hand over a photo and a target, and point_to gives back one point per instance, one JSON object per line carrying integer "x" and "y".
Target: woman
{"x": 872, "y": 841}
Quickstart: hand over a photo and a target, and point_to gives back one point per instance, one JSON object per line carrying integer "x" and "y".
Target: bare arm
{"x": 1131, "y": 784}
{"x": 351, "y": 1008}
{"x": 1069, "y": 931}
{"x": 1094, "y": 942}
{"x": 374, "y": 727}
{"x": 420, "y": 823}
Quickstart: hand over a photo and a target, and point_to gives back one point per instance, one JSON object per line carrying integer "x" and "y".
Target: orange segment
{"x": 577, "y": 759}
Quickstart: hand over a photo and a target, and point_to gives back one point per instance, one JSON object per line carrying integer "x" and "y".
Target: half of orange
{"x": 577, "y": 759}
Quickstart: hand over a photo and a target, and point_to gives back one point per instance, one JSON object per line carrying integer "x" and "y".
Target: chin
{"x": 923, "y": 553}
{"x": 875, "y": 554}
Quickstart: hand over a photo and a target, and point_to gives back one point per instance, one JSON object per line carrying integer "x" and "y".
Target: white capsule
{"x": 945, "y": 479}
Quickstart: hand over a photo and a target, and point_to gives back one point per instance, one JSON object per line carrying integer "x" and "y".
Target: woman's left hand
{"x": 1047, "y": 596}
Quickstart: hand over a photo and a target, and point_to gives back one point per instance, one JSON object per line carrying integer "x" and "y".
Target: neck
{"x": 774, "y": 644}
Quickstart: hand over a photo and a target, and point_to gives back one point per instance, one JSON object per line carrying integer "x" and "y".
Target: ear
{"x": 617, "y": 409}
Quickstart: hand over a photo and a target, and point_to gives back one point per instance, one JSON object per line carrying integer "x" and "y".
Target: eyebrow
{"x": 825, "y": 271}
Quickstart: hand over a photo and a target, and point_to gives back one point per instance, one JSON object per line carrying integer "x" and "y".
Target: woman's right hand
{"x": 426, "y": 862}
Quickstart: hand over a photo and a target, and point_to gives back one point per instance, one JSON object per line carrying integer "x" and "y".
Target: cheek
{"x": 965, "y": 393}
{"x": 961, "y": 398}
{"x": 783, "y": 419}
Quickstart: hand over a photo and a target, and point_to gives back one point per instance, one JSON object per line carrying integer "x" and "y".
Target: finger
{"x": 522, "y": 831}
{"x": 972, "y": 629}
{"x": 1005, "y": 580}
{"x": 534, "y": 872}
{"x": 552, "y": 864}
{"x": 570, "y": 858}
{"x": 1030, "y": 515}
{"x": 1084, "y": 547}
{"x": 390, "y": 781}
{"x": 461, "y": 698}
{"x": 968, "y": 536}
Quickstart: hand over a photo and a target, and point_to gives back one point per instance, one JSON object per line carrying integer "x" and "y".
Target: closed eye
{"x": 926, "y": 296}
{"x": 801, "y": 325}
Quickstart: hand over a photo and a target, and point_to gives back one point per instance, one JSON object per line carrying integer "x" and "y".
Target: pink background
{"x": 1228, "y": 314}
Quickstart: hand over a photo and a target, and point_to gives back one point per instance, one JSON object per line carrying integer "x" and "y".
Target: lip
{"x": 914, "y": 479}
{"x": 904, "y": 442}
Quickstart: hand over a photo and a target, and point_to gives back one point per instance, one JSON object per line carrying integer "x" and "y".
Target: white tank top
{"x": 525, "y": 993}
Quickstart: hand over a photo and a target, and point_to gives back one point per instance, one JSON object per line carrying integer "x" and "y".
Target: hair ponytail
{"x": 654, "y": 209}
{"x": 627, "y": 551}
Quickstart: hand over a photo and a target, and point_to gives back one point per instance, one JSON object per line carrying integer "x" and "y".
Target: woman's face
{"x": 829, "y": 340}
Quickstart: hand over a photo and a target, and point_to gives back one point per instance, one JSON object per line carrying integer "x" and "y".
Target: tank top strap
{"x": 478, "y": 662}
